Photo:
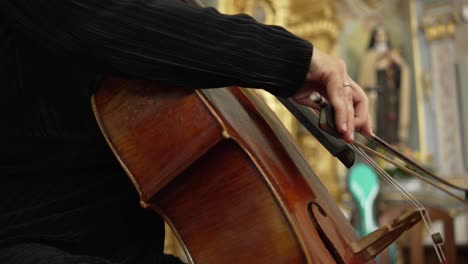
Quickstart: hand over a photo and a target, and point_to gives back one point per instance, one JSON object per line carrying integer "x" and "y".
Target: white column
{"x": 446, "y": 107}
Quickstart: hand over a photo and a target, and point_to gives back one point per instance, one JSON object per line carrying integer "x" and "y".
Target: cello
{"x": 227, "y": 177}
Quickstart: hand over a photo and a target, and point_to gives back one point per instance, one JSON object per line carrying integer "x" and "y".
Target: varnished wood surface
{"x": 156, "y": 132}
{"x": 229, "y": 216}
{"x": 223, "y": 173}
{"x": 290, "y": 178}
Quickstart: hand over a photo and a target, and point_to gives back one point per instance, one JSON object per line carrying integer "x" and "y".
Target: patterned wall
{"x": 443, "y": 91}
{"x": 445, "y": 94}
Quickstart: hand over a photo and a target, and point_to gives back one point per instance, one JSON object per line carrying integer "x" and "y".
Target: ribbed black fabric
{"x": 63, "y": 197}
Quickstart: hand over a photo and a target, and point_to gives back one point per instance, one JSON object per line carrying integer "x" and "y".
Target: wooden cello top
{"x": 157, "y": 132}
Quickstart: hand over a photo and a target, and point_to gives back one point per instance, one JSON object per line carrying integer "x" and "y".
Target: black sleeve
{"x": 165, "y": 40}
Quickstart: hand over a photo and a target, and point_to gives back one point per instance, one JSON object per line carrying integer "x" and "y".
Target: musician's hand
{"x": 328, "y": 76}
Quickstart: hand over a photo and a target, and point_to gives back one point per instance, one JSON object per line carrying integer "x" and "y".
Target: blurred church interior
{"x": 411, "y": 57}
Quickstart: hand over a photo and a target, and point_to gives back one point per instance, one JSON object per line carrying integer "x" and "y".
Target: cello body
{"x": 224, "y": 174}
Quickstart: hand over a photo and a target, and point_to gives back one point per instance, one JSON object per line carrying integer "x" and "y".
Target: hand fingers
{"x": 338, "y": 101}
{"x": 302, "y": 96}
{"x": 349, "y": 102}
{"x": 349, "y": 136}
{"x": 338, "y": 98}
{"x": 366, "y": 129}
{"x": 362, "y": 119}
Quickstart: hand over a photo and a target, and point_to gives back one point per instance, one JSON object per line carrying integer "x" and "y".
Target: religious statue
{"x": 384, "y": 75}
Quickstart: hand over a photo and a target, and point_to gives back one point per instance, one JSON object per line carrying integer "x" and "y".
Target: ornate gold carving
{"x": 439, "y": 31}
{"x": 264, "y": 11}
{"x": 373, "y": 3}
{"x": 316, "y": 21}
{"x": 440, "y": 26}
{"x": 322, "y": 32}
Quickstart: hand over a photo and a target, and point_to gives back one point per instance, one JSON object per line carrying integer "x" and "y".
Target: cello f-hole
{"x": 319, "y": 217}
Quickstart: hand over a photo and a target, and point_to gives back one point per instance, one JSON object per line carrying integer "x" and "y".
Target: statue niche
{"x": 384, "y": 75}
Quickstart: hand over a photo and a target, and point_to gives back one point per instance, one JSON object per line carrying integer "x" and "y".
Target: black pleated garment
{"x": 63, "y": 197}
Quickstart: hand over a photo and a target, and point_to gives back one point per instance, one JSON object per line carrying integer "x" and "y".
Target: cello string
{"x": 413, "y": 201}
{"x": 322, "y": 102}
{"x": 421, "y": 172}
{"x": 409, "y": 198}
{"x": 317, "y": 98}
{"x": 385, "y": 176}
{"x": 426, "y": 219}
{"x": 408, "y": 170}
{"x": 415, "y": 166}
{"x": 406, "y": 195}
